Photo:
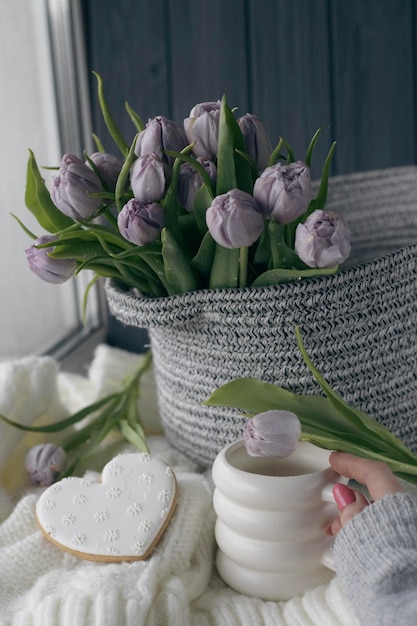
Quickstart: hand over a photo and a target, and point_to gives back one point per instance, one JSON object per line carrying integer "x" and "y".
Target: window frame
{"x": 73, "y": 107}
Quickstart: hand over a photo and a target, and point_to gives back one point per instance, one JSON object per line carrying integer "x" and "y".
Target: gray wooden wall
{"x": 346, "y": 65}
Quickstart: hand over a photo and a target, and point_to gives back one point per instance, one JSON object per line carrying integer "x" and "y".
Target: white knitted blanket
{"x": 40, "y": 585}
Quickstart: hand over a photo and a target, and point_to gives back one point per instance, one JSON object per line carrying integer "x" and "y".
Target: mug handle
{"x": 327, "y": 491}
{"x": 327, "y": 496}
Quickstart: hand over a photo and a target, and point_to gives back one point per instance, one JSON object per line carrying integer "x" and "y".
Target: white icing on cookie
{"x": 120, "y": 518}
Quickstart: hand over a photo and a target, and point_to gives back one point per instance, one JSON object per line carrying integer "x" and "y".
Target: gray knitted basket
{"x": 359, "y": 326}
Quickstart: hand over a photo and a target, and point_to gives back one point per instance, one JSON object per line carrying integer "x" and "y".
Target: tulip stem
{"x": 278, "y": 248}
{"x": 243, "y": 267}
{"x": 110, "y": 218}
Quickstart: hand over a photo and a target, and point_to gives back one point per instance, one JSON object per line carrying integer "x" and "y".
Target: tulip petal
{"x": 272, "y": 433}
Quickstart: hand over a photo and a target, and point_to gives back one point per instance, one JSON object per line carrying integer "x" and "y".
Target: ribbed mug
{"x": 271, "y": 516}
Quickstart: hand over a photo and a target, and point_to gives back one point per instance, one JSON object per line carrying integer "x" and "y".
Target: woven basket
{"x": 359, "y": 326}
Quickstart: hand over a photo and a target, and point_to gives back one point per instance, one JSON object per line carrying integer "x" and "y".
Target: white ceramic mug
{"x": 271, "y": 516}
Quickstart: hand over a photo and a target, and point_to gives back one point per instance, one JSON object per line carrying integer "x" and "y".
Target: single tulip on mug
{"x": 272, "y": 433}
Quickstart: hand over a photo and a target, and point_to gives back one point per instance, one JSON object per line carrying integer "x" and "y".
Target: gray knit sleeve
{"x": 376, "y": 560}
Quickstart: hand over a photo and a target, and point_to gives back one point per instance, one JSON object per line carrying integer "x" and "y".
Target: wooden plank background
{"x": 346, "y": 65}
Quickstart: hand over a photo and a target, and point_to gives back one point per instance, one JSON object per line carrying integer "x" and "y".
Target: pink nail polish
{"x": 343, "y": 496}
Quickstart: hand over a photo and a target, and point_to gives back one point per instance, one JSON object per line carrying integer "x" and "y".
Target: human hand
{"x": 375, "y": 475}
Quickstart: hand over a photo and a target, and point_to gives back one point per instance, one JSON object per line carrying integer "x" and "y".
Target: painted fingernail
{"x": 343, "y": 496}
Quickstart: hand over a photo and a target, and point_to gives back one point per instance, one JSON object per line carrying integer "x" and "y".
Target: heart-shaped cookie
{"x": 120, "y": 518}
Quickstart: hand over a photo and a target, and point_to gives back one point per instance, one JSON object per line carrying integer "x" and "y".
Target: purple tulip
{"x": 44, "y": 463}
{"x": 140, "y": 222}
{"x": 323, "y": 240}
{"x": 272, "y": 433}
{"x": 149, "y": 177}
{"x": 190, "y": 182}
{"x": 70, "y": 189}
{"x": 160, "y": 134}
{"x": 284, "y": 192}
{"x": 109, "y": 167}
{"x": 234, "y": 220}
{"x": 258, "y": 142}
{"x": 49, "y": 269}
{"x": 202, "y": 126}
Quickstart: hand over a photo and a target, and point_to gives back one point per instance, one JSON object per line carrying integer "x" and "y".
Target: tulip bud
{"x": 323, "y": 240}
{"x": 44, "y": 463}
{"x": 234, "y": 220}
{"x": 160, "y": 134}
{"x": 190, "y": 182}
{"x": 149, "y": 177}
{"x": 49, "y": 269}
{"x": 203, "y": 127}
{"x": 140, "y": 222}
{"x": 284, "y": 191}
{"x": 258, "y": 142}
{"x": 70, "y": 189}
{"x": 272, "y": 433}
{"x": 109, "y": 167}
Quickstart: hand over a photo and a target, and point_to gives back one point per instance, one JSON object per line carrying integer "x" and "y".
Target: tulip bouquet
{"x": 205, "y": 206}
{"x": 209, "y": 205}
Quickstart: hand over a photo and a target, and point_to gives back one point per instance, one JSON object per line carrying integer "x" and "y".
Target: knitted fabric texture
{"x": 376, "y": 556}
{"x": 358, "y": 326}
{"x": 41, "y": 585}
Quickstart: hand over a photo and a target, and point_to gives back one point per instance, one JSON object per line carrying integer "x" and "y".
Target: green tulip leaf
{"x": 290, "y": 155}
{"x": 135, "y": 436}
{"x": 225, "y": 268}
{"x": 311, "y": 147}
{"x": 252, "y": 164}
{"x": 319, "y": 202}
{"x": 283, "y": 275}
{"x": 139, "y": 125}
{"x": 38, "y": 200}
{"x": 407, "y": 471}
{"x": 233, "y": 171}
{"x": 202, "y": 201}
{"x": 255, "y": 396}
{"x": 62, "y": 424}
{"x": 97, "y": 141}
{"x": 79, "y": 250}
{"x": 262, "y": 252}
{"x": 108, "y": 118}
{"x": 276, "y": 153}
{"x": 23, "y": 227}
{"x": 178, "y": 270}
{"x": 356, "y": 417}
{"x": 186, "y": 158}
{"x": 203, "y": 260}
{"x": 123, "y": 177}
